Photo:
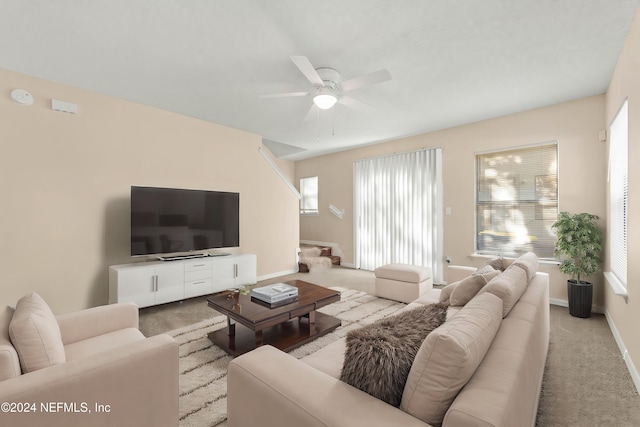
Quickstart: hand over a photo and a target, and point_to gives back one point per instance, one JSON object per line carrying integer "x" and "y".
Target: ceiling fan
{"x": 328, "y": 87}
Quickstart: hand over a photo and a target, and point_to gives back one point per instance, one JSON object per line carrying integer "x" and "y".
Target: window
{"x": 309, "y": 193}
{"x": 517, "y": 200}
{"x": 618, "y": 193}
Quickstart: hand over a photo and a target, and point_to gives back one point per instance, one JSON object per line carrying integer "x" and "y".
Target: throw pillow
{"x": 35, "y": 334}
{"x": 529, "y": 263}
{"x": 378, "y": 356}
{"x": 497, "y": 263}
{"x": 445, "y": 293}
{"x": 448, "y": 358}
{"x": 469, "y": 287}
{"x": 485, "y": 269}
{"x": 508, "y": 286}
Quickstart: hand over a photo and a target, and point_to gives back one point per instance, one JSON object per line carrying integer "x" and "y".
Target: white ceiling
{"x": 451, "y": 61}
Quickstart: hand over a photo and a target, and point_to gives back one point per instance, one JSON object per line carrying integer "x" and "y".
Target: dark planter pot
{"x": 580, "y": 298}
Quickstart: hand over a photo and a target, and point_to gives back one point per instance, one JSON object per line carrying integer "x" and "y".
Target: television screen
{"x": 168, "y": 220}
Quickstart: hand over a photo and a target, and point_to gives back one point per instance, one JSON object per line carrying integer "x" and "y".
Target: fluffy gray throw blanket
{"x": 379, "y": 356}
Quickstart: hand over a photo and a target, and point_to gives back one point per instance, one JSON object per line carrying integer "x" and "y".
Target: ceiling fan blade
{"x": 307, "y": 69}
{"x": 284, "y": 95}
{"x": 366, "y": 80}
{"x": 313, "y": 114}
{"x": 354, "y": 104}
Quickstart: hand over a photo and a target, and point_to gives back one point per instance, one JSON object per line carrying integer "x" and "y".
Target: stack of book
{"x": 275, "y": 295}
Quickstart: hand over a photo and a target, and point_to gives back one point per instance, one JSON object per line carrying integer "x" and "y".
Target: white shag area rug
{"x": 203, "y": 365}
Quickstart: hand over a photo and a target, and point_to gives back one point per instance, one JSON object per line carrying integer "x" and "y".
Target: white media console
{"x": 159, "y": 282}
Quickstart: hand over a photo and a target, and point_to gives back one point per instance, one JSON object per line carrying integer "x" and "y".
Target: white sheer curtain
{"x": 398, "y": 211}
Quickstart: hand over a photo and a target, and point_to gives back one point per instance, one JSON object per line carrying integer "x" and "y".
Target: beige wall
{"x": 582, "y": 175}
{"x": 624, "y": 316}
{"x": 66, "y": 179}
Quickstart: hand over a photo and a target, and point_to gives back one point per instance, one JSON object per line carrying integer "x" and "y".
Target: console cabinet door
{"x": 146, "y": 285}
{"x": 135, "y": 284}
{"x": 169, "y": 282}
{"x": 223, "y": 273}
{"x": 245, "y": 269}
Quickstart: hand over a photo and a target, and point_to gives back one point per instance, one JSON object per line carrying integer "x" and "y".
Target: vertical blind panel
{"x": 517, "y": 200}
{"x": 618, "y": 193}
{"x": 397, "y": 211}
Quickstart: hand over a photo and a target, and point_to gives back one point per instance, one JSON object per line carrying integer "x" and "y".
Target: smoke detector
{"x": 21, "y": 97}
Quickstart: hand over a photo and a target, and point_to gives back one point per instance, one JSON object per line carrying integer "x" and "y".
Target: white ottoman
{"x": 402, "y": 282}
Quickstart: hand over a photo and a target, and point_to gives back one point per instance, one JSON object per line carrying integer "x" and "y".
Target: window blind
{"x": 517, "y": 200}
{"x": 618, "y": 194}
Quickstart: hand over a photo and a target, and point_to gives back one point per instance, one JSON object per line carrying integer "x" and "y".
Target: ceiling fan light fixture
{"x": 325, "y": 101}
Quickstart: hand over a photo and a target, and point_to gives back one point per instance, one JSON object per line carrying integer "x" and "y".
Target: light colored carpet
{"x": 203, "y": 365}
{"x": 586, "y": 382}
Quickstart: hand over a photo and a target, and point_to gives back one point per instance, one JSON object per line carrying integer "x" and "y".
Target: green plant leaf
{"x": 578, "y": 244}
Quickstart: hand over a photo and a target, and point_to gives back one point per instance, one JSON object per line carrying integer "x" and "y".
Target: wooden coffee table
{"x": 285, "y": 327}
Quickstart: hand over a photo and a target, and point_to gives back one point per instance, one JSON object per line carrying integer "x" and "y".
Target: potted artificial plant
{"x": 578, "y": 245}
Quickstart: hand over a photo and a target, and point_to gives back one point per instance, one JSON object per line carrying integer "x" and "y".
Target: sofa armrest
{"x": 95, "y": 321}
{"x": 136, "y": 385}
{"x": 456, "y": 273}
{"x": 270, "y": 388}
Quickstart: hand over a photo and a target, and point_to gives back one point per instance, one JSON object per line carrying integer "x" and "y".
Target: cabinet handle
{"x": 198, "y": 265}
{"x": 235, "y": 270}
{"x": 155, "y": 279}
{"x": 197, "y": 283}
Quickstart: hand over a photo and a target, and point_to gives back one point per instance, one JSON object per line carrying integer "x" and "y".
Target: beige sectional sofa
{"x": 89, "y": 368}
{"x": 482, "y": 367}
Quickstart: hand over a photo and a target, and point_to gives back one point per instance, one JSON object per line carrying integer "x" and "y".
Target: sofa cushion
{"x": 497, "y": 263}
{"x": 445, "y": 293}
{"x": 35, "y": 334}
{"x": 431, "y": 297}
{"x": 508, "y": 286}
{"x": 528, "y": 262}
{"x": 98, "y": 344}
{"x": 448, "y": 357}
{"x": 469, "y": 286}
{"x": 9, "y": 361}
{"x": 329, "y": 359}
{"x": 487, "y": 268}
{"x": 378, "y": 356}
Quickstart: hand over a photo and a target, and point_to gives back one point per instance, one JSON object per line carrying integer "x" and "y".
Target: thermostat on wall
{"x": 21, "y": 97}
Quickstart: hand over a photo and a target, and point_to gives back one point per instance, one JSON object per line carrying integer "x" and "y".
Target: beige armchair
{"x": 93, "y": 367}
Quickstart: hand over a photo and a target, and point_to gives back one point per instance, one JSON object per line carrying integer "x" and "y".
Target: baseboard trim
{"x": 623, "y": 350}
{"x": 565, "y": 303}
{"x": 560, "y": 302}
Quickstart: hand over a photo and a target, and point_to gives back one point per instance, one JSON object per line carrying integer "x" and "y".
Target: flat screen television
{"x": 171, "y": 220}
